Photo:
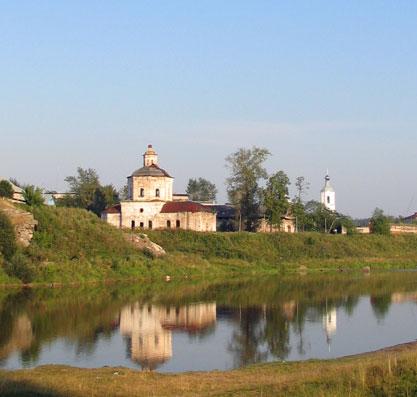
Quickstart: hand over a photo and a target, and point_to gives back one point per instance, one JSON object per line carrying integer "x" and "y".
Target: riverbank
{"x": 387, "y": 372}
{"x": 74, "y": 246}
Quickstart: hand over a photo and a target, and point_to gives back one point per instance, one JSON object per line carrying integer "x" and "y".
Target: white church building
{"x": 151, "y": 203}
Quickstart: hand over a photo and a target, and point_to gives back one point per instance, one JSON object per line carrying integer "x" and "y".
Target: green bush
{"x": 19, "y": 266}
{"x": 7, "y": 237}
{"x": 6, "y": 189}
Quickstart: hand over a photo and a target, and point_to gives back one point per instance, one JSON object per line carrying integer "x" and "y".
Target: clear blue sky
{"x": 321, "y": 84}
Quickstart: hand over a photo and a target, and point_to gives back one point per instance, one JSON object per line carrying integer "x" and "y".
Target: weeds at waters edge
{"x": 391, "y": 372}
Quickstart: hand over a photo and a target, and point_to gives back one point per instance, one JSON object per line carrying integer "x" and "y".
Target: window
{"x": 142, "y": 192}
{"x": 289, "y": 229}
{"x": 150, "y": 224}
{"x": 157, "y": 193}
{"x": 328, "y": 199}
{"x": 132, "y": 225}
{"x": 169, "y": 224}
{"x": 178, "y": 223}
{"x": 141, "y": 210}
{"x": 141, "y": 225}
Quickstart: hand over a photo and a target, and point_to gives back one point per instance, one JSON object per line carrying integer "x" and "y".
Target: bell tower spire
{"x": 150, "y": 157}
{"x": 328, "y": 195}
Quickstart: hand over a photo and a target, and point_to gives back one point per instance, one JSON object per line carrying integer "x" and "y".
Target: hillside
{"x": 73, "y": 245}
{"x": 289, "y": 251}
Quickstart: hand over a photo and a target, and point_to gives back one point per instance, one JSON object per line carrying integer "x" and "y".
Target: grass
{"x": 74, "y": 246}
{"x": 390, "y": 372}
{"x": 283, "y": 251}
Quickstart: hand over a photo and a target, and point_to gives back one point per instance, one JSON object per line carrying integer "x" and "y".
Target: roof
{"x": 184, "y": 206}
{"x": 152, "y": 170}
{"x": 116, "y": 209}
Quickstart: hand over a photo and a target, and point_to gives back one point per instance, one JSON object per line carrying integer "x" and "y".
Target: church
{"x": 151, "y": 203}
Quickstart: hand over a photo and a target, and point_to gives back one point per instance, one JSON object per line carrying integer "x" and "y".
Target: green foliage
{"x": 33, "y": 196}
{"x": 6, "y": 189}
{"x": 276, "y": 198}
{"x": 7, "y": 237}
{"x": 85, "y": 191}
{"x": 379, "y": 223}
{"x": 201, "y": 190}
{"x": 247, "y": 171}
{"x": 19, "y": 266}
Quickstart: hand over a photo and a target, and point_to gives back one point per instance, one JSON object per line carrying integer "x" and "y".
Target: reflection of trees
{"x": 276, "y": 333}
{"x": 381, "y": 305}
{"x": 247, "y": 338}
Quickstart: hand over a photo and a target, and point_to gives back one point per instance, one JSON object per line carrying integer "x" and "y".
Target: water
{"x": 186, "y": 327}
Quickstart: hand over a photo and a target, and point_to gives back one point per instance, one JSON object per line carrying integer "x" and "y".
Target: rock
{"x": 302, "y": 269}
{"x": 143, "y": 242}
{"x": 24, "y": 223}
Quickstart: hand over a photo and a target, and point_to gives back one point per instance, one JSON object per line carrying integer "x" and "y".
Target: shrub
{"x": 33, "y": 195}
{"x": 6, "y": 189}
{"x": 7, "y": 237}
{"x": 19, "y": 266}
{"x": 379, "y": 223}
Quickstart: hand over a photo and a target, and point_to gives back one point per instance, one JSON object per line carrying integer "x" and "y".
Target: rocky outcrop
{"x": 143, "y": 242}
{"x": 24, "y": 223}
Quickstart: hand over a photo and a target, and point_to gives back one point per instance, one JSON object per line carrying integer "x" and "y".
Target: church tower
{"x": 328, "y": 195}
{"x": 150, "y": 157}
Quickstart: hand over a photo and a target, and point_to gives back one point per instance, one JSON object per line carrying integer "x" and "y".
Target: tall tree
{"x": 87, "y": 192}
{"x": 302, "y": 186}
{"x": 298, "y": 208}
{"x": 276, "y": 198}
{"x": 247, "y": 171}
{"x": 201, "y": 190}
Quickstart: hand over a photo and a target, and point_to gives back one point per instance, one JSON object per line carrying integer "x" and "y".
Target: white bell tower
{"x": 328, "y": 195}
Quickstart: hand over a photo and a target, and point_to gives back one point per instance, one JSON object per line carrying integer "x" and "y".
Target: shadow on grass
{"x": 11, "y": 388}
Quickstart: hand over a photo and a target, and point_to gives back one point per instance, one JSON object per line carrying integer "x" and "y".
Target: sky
{"x": 320, "y": 84}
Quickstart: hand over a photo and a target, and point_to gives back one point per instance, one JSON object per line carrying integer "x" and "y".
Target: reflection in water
{"x": 217, "y": 326}
{"x": 149, "y": 328}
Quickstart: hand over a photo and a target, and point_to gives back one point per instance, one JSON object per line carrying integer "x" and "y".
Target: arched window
{"x": 328, "y": 199}
{"x": 169, "y": 224}
{"x": 141, "y": 210}
{"x": 178, "y": 224}
{"x": 157, "y": 193}
{"x": 141, "y": 225}
{"x": 150, "y": 224}
{"x": 142, "y": 192}
{"x": 132, "y": 225}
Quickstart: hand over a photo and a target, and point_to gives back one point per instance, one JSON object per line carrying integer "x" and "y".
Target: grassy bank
{"x": 391, "y": 372}
{"x": 73, "y": 245}
{"x": 283, "y": 251}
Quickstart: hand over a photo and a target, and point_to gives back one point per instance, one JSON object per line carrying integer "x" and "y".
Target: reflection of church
{"x": 330, "y": 324}
{"x": 149, "y": 328}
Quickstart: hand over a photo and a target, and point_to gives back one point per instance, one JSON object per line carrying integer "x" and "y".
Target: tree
{"x": 379, "y": 223}
{"x": 104, "y": 196}
{"x": 85, "y": 191}
{"x": 247, "y": 170}
{"x": 302, "y": 186}
{"x": 298, "y": 209}
{"x": 6, "y": 189}
{"x": 83, "y": 187}
{"x": 201, "y": 190}
{"x": 33, "y": 195}
{"x": 276, "y": 198}
{"x": 319, "y": 218}
{"x": 7, "y": 237}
